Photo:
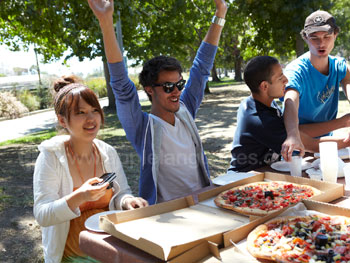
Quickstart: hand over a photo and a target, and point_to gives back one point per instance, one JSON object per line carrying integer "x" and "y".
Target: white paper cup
{"x": 295, "y": 166}
{"x": 329, "y": 161}
{"x": 346, "y": 170}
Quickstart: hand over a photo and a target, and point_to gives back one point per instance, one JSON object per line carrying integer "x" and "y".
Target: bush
{"x": 29, "y": 100}
{"x": 45, "y": 97}
{"x": 10, "y": 107}
{"x": 98, "y": 85}
{"x": 135, "y": 79}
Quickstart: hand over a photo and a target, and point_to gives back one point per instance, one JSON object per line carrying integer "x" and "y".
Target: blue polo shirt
{"x": 318, "y": 93}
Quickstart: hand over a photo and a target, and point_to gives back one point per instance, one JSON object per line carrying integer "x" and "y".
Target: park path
{"x": 41, "y": 120}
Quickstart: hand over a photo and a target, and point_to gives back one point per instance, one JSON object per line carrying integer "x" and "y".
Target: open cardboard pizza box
{"x": 330, "y": 191}
{"x": 208, "y": 252}
{"x": 168, "y": 229}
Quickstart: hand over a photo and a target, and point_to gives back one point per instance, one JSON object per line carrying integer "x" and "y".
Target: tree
{"x": 277, "y": 24}
{"x": 150, "y": 28}
{"x": 340, "y": 11}
{"x": 232, "y": 41}
{"x": 54, "y": 27}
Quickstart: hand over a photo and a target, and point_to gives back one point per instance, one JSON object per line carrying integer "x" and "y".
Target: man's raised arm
{"x": 214, "y": 32}
{"x": 103, "y": 11}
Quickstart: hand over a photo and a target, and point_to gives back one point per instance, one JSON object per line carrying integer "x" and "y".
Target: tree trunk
{"x": 37, "y": 65}
{"x": 238, "y": 67}
{"x": 214, "y": 75}
{"x": 226, "y": 72}
{"x": 111, "y": 99}
{"x": 207, "y": 90}
{"x": 299, "y": 45}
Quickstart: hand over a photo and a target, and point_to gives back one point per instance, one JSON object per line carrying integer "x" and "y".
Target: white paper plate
{"x": 283, "y": 166}
{"x": 231, "y": 177}
{"x": 92, "y": 223}
{"x": 342, "y": 153}
{"x": 316, "y": 168}
{"x": 315, "y": 174}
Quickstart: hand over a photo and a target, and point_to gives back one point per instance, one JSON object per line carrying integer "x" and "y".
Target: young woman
{"x": 66, "y": 170}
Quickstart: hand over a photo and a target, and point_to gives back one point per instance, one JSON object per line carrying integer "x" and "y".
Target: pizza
{"x": 314, "y": 238}
{"x": 262, "y": 198}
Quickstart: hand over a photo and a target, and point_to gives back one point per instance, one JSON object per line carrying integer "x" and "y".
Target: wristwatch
{"x": 219, "y": 21}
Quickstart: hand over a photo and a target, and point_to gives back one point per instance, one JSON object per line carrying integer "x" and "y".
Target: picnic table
{"x": 107, "y": 248}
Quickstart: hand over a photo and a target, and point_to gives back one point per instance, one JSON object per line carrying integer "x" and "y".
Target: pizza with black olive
{"x": 262, "y": 198}
{"x": 314, "y": 239}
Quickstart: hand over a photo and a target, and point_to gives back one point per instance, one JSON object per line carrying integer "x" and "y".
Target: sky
{"x": 9, "y": 60}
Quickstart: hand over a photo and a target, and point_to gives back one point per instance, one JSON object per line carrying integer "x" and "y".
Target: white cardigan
{"x": 52, "y": 182}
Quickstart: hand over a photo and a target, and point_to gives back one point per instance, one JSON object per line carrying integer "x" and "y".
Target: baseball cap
{"x": 319, "y": 21}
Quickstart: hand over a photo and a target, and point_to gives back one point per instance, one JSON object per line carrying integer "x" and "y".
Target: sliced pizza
{"x": 315, "y": 239}
{"x": 262, "y": 198}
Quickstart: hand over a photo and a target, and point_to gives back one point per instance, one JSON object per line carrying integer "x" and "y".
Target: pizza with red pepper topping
{"x": 315, "y": 239}
{"x": 262, "y": 198}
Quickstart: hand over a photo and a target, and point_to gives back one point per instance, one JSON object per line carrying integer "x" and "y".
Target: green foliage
{"x": 275, "y": 24}
{"x": 2, "y": 75}
{"x": 98, "y": 85}
{"x": 96, "y": 73}
{"x": 340, "y": 11}
{"x": 10, "y": 107}
{"x": 29, "y": 100}
{"x": 173, "y": 27}
{"x": 34, "y": 138}
{"x": 223, "y": 82}
{"x": 44, "y": 96}
{"x": 135, "y": 79}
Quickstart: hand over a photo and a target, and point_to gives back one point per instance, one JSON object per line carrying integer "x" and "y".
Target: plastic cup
{"x": 329, "y": 161}
{"x": 346, "y": 169}
{"x": 295, "y": 166}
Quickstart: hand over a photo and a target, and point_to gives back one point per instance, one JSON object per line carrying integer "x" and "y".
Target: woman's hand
{"x": 90, "y": 192}
{"x": 86, "y": 192}
{"x": 131, "y": 203}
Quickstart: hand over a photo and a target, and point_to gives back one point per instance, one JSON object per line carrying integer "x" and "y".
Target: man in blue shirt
{"x": 173, "y": 163}
{"x": 260, "y": 129}
{"x": 312, "y": 93}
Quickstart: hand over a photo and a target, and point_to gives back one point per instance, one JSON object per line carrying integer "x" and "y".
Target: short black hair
{"x": 258, "y": 70}
{"x": 152, "y": 68}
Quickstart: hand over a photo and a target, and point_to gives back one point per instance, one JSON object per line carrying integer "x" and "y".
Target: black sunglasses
{"x": 169, "y": 87}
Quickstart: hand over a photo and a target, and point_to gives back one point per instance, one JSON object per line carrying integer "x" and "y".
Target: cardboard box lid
{"x": 168, "y": 234}
{"x": 168, "y": 229}
{"x": 330, "y": 191}
{"x": 209, "y": 252}
{"x": 241, "y": 233}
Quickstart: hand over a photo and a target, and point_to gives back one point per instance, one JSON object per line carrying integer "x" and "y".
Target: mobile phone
{"x": 107, "y": 177}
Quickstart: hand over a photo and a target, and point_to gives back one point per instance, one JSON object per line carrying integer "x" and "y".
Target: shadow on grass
{"x": 19, "y": 237}
{"x": 216, "y": 120}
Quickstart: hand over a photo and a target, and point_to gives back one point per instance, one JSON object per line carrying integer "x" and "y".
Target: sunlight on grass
{"x": 223, "y": 82}
{"x": 110, "y": 132}
{"x": 36, "y": 138}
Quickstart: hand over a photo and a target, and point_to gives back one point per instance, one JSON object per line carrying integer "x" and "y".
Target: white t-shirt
{"x": 179, "y": 173}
